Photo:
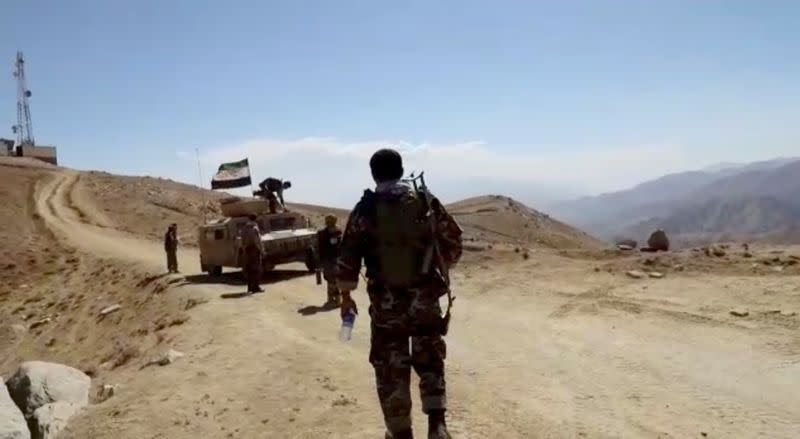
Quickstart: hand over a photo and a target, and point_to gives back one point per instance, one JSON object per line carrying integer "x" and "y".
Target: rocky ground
{"x": 553, "y": 336}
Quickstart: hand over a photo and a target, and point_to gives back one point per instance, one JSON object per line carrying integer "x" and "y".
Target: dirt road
{"x": 538, "y": 348}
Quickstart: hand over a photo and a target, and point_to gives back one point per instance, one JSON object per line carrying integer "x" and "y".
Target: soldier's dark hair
{"x": 252, "y": 217}
{"x": 386, "y": 165}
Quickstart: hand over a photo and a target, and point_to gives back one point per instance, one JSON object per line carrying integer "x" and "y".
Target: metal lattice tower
{"x": 24, "y": 127}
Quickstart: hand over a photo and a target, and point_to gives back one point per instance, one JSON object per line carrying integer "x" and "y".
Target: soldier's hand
{"x": 348, "y": 304}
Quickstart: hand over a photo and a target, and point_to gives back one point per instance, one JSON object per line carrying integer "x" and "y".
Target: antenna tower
{"x": 24, "y": 127}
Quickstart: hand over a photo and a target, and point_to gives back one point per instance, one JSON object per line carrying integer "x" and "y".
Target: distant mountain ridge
{"x": 714, "y": 202}
{"x": 782, "y": 182}
{"x": 751, "y": 218}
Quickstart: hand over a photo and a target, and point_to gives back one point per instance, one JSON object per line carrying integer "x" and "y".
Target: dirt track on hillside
{"x": 540, "y": 348}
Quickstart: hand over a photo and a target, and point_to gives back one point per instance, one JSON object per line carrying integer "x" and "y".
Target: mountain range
{"x": 753, "y": 201}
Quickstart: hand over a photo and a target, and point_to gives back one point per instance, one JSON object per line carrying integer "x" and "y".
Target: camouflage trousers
{"x": 329, "y": 273}
{"x": 252, "y": 268}
{"x": 172, "y": 260}
{"x": 398, "y": 316}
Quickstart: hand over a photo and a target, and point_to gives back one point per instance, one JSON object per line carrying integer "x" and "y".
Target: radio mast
{"x": 24, "y": 127}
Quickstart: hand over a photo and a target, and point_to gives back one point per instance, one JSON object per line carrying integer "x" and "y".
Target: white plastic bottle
{"x": 348, "y": 320}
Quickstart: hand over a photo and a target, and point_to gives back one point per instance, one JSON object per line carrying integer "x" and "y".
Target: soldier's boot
{"x": 437, "y": 428}
{"x": 334, "y": 299}
{"x": 405, "y": 434}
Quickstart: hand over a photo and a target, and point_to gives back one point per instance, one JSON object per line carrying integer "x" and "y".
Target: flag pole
{"x": 203, "y": 192}
{"x": 251, "y": 177}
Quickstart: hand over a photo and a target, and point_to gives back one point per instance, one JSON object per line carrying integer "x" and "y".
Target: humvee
{"x": 286, "y": 237}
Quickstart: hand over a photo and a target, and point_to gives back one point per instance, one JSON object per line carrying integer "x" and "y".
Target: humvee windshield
{"x": 281, "y": 223}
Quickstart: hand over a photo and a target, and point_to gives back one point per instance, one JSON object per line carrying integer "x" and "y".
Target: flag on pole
{"x": 232, "y": 175}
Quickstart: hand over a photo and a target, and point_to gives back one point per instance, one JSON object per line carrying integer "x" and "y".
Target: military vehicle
{"x": 286, "y": 236}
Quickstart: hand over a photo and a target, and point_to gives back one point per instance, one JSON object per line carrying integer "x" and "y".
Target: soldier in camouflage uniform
{"x": 273, "y": 188}
{"x": 404, "y": 303}
{"x": 252, "y": 246}
{"x": 329, "y": 243}
{"x": 171, "y": 248}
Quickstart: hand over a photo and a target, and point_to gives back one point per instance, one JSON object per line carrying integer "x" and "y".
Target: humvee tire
{"x": 215, "y": 270}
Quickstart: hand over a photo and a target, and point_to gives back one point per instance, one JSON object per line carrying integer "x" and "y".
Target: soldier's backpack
{"x": 402, "y": 236}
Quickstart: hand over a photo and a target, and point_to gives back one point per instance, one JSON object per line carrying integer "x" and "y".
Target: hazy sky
{"x": 545, "y": 98}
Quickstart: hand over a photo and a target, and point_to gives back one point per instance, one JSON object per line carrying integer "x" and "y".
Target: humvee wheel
{"x": 215, "y": 271}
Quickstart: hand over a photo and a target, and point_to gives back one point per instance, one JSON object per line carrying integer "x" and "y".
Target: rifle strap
{"x": 446, "y": 318}
{"x": 450, "y": 299}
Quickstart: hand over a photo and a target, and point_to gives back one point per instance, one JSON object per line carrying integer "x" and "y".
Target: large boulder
{"x": 658, "y": 241}
{"x": 49, "y": 419}
{"x": 37, "y": 385}
{"x": 12, "y": 422}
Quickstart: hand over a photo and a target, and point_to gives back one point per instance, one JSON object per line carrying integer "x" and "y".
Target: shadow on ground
{"x": 236, "y": 277}
{"x": 241, "y": 295}
{"x": 310, "y": 310}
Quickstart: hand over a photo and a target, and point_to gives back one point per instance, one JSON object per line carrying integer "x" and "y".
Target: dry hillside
{"x": 539, "y": 346}
{"x": 51, "y": 294}
{"x": 145, "y": 205}
{"x": 495, "y": 218}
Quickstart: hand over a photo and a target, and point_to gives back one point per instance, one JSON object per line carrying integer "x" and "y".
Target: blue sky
{"x": 552, "y": 98}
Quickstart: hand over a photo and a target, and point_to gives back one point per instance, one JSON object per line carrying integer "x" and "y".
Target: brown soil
{"x": 52, "y": 293}
{"x": 543, "y": 343}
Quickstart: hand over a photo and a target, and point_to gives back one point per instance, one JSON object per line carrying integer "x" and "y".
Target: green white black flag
{"x": 232, "y": 175}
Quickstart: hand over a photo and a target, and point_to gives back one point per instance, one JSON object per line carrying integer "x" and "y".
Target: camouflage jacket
{"x": 271, "y": 184}
{"x": 251, "y": 235}
{"x": 170, "y": 240}
{"x": 329, "y": 242}
{"x": 360, "y": 230}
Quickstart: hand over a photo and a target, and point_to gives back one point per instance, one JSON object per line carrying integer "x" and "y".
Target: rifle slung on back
{"x": 433, "y": 252}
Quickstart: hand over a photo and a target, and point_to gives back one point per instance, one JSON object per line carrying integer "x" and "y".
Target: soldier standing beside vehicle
{"x": 390, "y": 230}
{"x": 171, "y": 248}
{"x": 330, "y": 239}
{"x": 253, "y": 249}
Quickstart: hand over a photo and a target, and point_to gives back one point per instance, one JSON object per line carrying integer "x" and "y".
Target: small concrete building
{"x": 7, "y": 147}
{"x": 41, "y": 152}
{"x": 44, "y": 153}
